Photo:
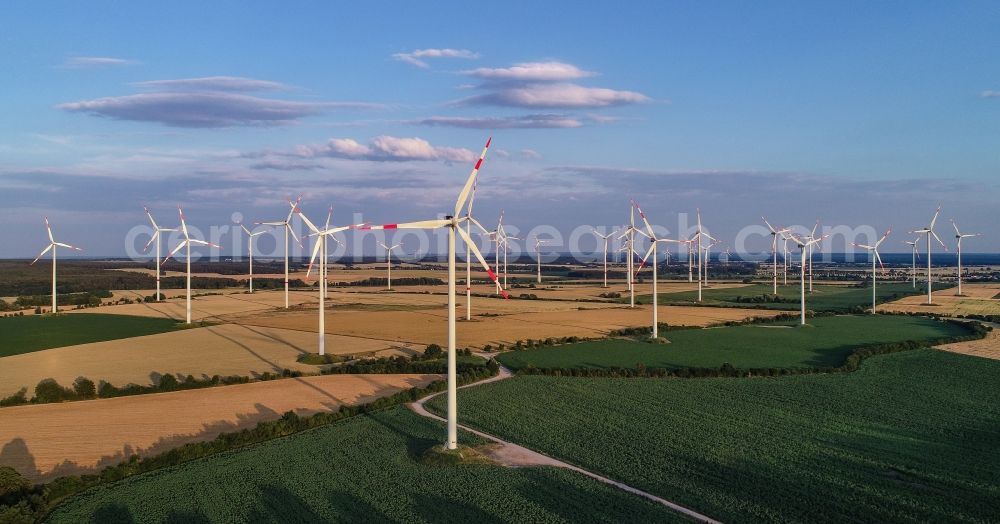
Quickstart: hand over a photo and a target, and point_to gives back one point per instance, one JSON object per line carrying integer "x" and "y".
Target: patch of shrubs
{"x": 405, "y": 281}
{"x": 646, "y": 330}
{"x": 401, "y": 364}
{"x": 528, "y": 296}
{"x": 22, "y": 502}
{"x": 610, "y": 294}
{"x": 766, "y": 298}
{"x": 532, "y": 343}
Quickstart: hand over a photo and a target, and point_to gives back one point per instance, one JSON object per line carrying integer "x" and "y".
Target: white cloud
{"x": 213, "y": 83}
{"x": 416, "y": 57}
{"x": 532, "y": 72}
{"x": 530, "y": 154}
{"x": 386, "y": 148}
{"x": 990, "y": 94}
{"x": 87, "y": 62}
{"x": 559, "y": 95}
{"x": 512, "y": 122}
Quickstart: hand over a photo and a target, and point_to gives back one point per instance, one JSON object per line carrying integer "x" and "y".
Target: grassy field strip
{"x": 516, "y": 455}
{"x": 27, "y": 334}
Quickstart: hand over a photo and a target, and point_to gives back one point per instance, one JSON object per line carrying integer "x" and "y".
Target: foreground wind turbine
{"x": 929, "y": 231}
{"x": 388, "y": 263}
{"x": 774, "y": 249}
{"x": 652, "y": 251}
{"x": 605, "y": 238}
{"x": 250, "y": 236}
{"x": 287, "y": 226}
{"x": 873, "y": 249}
{"x": 320, "y": 251}
{"x": 453, "y": 223}
{"x": 914, "y": 245}
{"x": 52, "y": 246}
{"x": 805, "y": 246}
{"x": 186, "y": 243}
{"x": 156, "y": 238}
{"x": 959, "y": 236}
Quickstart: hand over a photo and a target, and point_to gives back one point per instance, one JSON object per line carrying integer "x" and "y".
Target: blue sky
{"x": 858, "y": 114}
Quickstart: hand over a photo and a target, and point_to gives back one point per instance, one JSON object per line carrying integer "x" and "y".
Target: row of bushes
{"x": 405, "y": 281}
{"x": 65, "y": 299}
{"x": 646, "y": 330}
{"x": 533, "y": 343}
{"x": 400, "y": 364}
{"x": 24, "y": 503}
{"x": 49, "y": 390}
{"x": 977, "y": 331}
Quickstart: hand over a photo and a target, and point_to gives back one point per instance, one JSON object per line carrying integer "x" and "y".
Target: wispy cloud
{"x": 532, "y": 72}
{"x": 207, "y": 102}
{"x": 531, "y": 154}
{"x": 511, "y": 122}
{"x": 418, "y": 57}
{"x": 555, "y": 96}
{"x": 385, "y": 148}
{"x": 990, "y": 94}
{"x": 214, "y": 83}
{"x": 91, "y": 62}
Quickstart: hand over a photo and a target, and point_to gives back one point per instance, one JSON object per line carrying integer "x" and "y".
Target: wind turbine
{"x": 156, "y": 238}
{"x": 811, "y": 236}
{"x": 320, "y": 251}
{"x": 388, "y": 263}
{"x": 470, "y": 220}
{"x": 959, "y": 236}
{"x": 702, "y": 264}
{"x": 506, "y": 249}
{"x": 873, "y": 249}
{"x": 52, "y": 246}
{"x": 186, "y": 243}
{"x": 605, "y": 238}
{"x": 914, "y": 244}
{"x": 629, "y": 235}
{"x": 929, "y": 231}
{"x": 538, "y": 257}
{"x": 804, "y": 246}
{"x": 774, "y": 249}
{"x": 784, "y": 260}
{"x": 250, "y": 236}
{"x": 652, "y": 251}
{"x": 453, "y": 223}
{"x": 287, "y": 226}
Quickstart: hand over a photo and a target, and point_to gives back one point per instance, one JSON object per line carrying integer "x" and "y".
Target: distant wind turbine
{"x": 53, "y": 245}
{"x": 388, "y": 263}
{"x": 250, "y": 236}
{"x": 805, "y": 245}
{"x": 929, "y": 231}
{"x": 959, "y": 236}
{"x": 914, "y": 245}
{"x": 653, "y": 240}
{"x": 774, "y": 249}
{"x": 605, "y": 238}
{"x": 287, "y": 226}
{"x": 156, "y": 238}
{"x": 873, "y": 249}
{"x": 186, "y": 243}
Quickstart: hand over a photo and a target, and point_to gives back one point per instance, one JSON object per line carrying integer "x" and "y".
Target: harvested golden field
{"x": 430, "y": 326}
{"x": 207, "y": 307}
{"x": 226, "y": 349}
{"x": 49, "y": 440}
{"x": 988, "y": 347}
{"x": 978, "y": 300}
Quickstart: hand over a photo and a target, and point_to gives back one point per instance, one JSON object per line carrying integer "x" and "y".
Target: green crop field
{"x": 823, "y": 298}
{"x": 361, "y": 469}
{"x": 36, "y": 332}
{"x": 826, "y": 343}
{"x": 912, "y": 436}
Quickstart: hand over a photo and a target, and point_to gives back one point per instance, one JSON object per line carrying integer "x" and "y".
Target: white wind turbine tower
{"x": 506, "y": 249}
{"x": 156, "y": 238}
{"x": 453, "y": 223}
{"x": 811, "y": 236}
{"x": 250, "y": 236}
{"x": 784, "y": 259}
{"x": 873, "y": 250}
{"x": 320, "y": 251}
{"x": 702, "y": 264}
{"x": 629, "y": 248}
{"x": 652, "y": 251}
{"x": 52, "y": 246}
{"x": 538, "y": 257}
{"x": 287, "y": 226}
{"x": 605, "y": 238}
{"x": 470, "y": 220}
{"x": 958, "y": 237}
{"x": 929, "y": 231}
{"x": 388, "y": 263}
{"x": 774, "y": 250}
{"x": 914, "y": 245}
{"x": 186, "y": 243}
{"x": 804, "y": 247}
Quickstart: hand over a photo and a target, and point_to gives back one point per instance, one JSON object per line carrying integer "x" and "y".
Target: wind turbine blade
{"x": 48, "y": 228}
{"x": 954, "y": 225}
{"x": 813, "y": 233}
{"x": 939, "y": 240}
{"x": 184, "y": 227}
{"x": 296, "y": 237}
{"x": 60, "y": 244}
{"x": 246, "y": 230}
{"x": 423, "y": 224}
{"x": 204, "y": 243}
{"x": 934, "y": 220}
{"x": 642, "y": 215}
{"x": 329, "y": 216}
{"x": 269, "y": 223}
{"x": 155, "y": 235}
{"x": 480, "y": 226}
{"x": 479, "y": 256}
{"x": 312, "y": 227}
{"x": 769, "y": 226}
{"x": 885, "y": 236}
{"x": 40, "y": 255}
{"x": 175, "y": 250}
{"x": 472, "y": 179}
{"x": 315, "y": 253}
{"x": 879, "y": 258}
{"x": 294, "y": 208}
{"x": 150, "y": 215}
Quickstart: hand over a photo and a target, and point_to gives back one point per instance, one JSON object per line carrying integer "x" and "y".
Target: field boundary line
{"x": 419, "y": 408}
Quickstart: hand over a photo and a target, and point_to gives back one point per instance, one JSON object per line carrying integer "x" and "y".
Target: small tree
{"x": 168, "y": 382}
{"x": 433, "y": 351}
{"x": 48, "y": 390}
{"x": 84, "y": 388}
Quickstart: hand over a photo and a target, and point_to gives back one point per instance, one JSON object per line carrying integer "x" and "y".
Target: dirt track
{"x": 45, "y": 441}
